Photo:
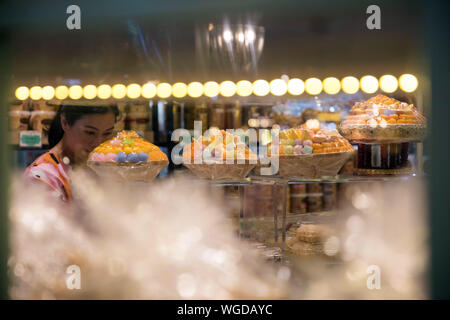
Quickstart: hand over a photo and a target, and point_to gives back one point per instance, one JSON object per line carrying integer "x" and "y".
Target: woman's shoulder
{"x": 48, "y": 169}
{"x": 48, "y": 157}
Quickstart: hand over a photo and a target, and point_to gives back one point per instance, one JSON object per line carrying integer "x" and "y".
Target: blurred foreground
{"x": 173, "y": 240}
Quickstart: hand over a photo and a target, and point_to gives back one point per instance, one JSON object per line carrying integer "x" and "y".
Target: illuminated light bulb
{"x": 261, "y": 88}
{"x": 388, "y": 83}
{"x": 104, "y": 91}
{"x": 48, "y": 92}
{"x": 278, "y": 87}
{"x": 408, "y": 82}
{"x": 36, "y": 93}
{"x": 90, "y": 91}
{"x": 369, "y": 84}
{"x": 61, "y": 92}
{"x": 350, "y": 85}
{"x": 211, "y": 89}
{"x": 75, "y": 92}
{"x": 179, "y": 90}
{"x": 331, "y": 85}
{"x": 148, "y": 90}
{"x": 119, "y": 91}
{"x": 195, "y": 89}
{"x": 227, "y": 88}
{"x": 241, "y": 37}
{"x": 163, "y": 90}
{"x": 250, "y": 35}
{"x": 296, "y": 86}
{"x": 227, "y": 35}
{"x": 133, "y": 91}
{"x": 244, "y": 88}
{"x": 313, "y": 86}
{"x": 22, "y": 93}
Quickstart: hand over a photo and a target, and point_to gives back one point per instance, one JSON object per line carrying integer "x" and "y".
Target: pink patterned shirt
{"x": 49, "y": 169}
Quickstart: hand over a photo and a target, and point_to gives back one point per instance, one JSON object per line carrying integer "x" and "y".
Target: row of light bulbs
{"x": 244, "y": 88}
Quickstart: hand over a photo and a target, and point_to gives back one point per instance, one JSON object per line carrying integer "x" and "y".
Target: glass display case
{"x": 295, "y": 123}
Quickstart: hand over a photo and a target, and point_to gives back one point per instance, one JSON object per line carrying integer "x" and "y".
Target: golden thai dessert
{"x": 129, "y": 157}
{"x": 383, "y": 127}
{"x": 127, "y": 147}
{"x": 310, "y": 151}
{"x": 301, "y": 141}
{"x": 220, "y": 145}
{"x": 384, "y": 119}
{"x": 219, "y": 155}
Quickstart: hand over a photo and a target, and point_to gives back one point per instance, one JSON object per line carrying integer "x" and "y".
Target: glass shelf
{"x": 229, "y": 183}
{"x": 336, "y": 179}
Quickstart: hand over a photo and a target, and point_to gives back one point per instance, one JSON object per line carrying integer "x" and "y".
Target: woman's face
{"x": 86, "y": 133}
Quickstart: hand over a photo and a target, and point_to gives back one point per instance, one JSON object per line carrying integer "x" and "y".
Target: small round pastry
{"x": 298, "y": 149}
{"x": 307, "y": 149}
{"x": 101, "y": 157}
{"x": 115, "y": 142}
{"x": 133, "y": 157}
{"x": 307, "y": 143}
{"x": 110, "y": 157}
{"x": 143, "y": 156}
{"x": 319, "y": 138}
{"x": 372, "y": 123}
{"x": 121, "y": 157}
{"x": 318, "y": 150}
{"x": 290, "y": 142}
{"x": 128, "y": 141}
{"x": 95, "y": 156}
{"x": 288, "y": 149}
{"x": 392, "y": 121}
{"x": 357, "y": 111}
{"x": 298, "y": 142}
{"x": 382, "y": 123}
{"x": 207, "y": 153}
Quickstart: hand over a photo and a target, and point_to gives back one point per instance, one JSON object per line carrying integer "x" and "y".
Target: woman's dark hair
{"x": 72, "y": 113}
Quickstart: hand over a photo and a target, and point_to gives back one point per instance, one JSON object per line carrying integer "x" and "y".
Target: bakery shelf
{"x": 336, "y": 179}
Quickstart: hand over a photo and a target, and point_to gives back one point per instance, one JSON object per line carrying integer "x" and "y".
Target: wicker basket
{"x": 128, "y": 171}
{"x": 215, "y": 171}
{"x": 390, "y": 134}
{"x": 313, "y": 165}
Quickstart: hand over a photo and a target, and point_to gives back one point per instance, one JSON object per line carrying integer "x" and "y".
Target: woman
{"x": 75, "y": 131}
